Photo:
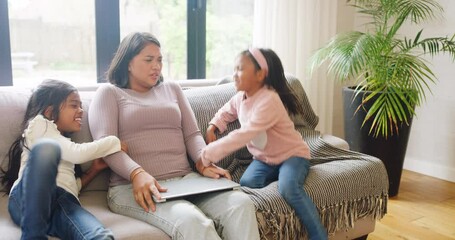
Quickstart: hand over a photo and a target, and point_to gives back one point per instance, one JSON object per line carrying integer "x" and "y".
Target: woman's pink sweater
{"x": 158, "y": 126}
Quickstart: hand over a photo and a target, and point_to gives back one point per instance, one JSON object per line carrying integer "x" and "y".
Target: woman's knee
{"x": 246, "y": 205}
{"x": 192, "y": 224}
{"x": 237, "y": 205}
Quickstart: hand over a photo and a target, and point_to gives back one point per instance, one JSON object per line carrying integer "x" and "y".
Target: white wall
{"x": 345, "y": 22}
{"x": 431, "y": 147}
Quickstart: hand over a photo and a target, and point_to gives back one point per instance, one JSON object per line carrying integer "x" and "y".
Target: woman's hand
{"x": 212, "y": 171}
{"x": 210, "y": 135}
{"x": 144, "y": 187}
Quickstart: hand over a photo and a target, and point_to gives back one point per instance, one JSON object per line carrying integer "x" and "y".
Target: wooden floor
{"x": 424, "y": 209}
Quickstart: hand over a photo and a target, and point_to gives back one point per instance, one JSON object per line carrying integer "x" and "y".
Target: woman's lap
{"x": 191, "y": 218}
{"x": 167, "y": 217}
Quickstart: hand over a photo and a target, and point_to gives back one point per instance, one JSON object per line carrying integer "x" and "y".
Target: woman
{"x": 156, "y": 122}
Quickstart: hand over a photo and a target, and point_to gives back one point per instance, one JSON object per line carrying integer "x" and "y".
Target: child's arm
{"x": 210, "y": 135}
{"x": 84, "y": 152}
{"x": 97, "y": 166}
{"x": 225, "y": 115}
{"x": 72, "y": 152}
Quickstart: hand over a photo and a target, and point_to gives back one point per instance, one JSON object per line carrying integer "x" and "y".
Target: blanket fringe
{"x": 281, "y": 226}
{"x": 275, "y": 226}
{"x": 343, "y": 215}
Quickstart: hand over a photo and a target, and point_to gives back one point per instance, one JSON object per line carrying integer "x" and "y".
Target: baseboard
{"x": 430, "y": 169}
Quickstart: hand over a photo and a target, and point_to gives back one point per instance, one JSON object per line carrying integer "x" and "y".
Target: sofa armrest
{"x": 335, "y": 141}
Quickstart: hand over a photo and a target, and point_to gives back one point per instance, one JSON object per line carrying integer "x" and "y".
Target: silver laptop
{"x": 178, "y": 188}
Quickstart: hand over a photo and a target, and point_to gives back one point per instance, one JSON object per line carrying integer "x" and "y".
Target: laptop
{"x": 182, "y": 187}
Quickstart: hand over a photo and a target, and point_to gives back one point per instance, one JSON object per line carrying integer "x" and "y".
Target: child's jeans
{"x": 41, "y": 208}
{"x": 291, "y": 176}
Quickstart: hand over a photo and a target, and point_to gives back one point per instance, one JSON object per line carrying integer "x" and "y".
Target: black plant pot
{"x": 391, "y": 150}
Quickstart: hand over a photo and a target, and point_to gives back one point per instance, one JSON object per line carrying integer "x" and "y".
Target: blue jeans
{"x": 41, "y": 208}
{"x": 291, "y": 176}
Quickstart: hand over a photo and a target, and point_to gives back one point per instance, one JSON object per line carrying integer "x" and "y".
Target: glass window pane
{"x": 52, "y": 39}
{"x": 167, "y": 20}
{"x": 229, "y": 31}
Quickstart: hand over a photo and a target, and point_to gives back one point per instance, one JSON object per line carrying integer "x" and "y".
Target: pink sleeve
{"x": 103, "y": 121}
{"x": 227, "y": 113}
{"x": 265, "y": 115}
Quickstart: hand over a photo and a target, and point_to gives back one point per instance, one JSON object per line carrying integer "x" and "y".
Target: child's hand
{"x": 210, "y": 135}
{"x": 212, "y": 171}
{"x": 99, "y": 164}
{"x": 124, "y": 147}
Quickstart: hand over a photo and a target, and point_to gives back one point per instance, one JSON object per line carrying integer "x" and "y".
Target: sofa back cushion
{"x": 12, "y": 108}
{"x": 309, "y": 120}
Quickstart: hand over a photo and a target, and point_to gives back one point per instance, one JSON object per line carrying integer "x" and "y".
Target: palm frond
{"x": 390, "y": 68}
{"x": 434, "y": 46}
{"x": 419, "y": 11}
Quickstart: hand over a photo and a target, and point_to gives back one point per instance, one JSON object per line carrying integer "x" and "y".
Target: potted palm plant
{"x": 389, "y": 76}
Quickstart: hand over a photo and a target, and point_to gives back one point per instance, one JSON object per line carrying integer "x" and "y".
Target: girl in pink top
{"x": 261, "y": 105}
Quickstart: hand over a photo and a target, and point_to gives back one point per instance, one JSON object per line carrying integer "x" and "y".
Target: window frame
{"x": 6, "y": 68}
{"x": 196, "y": 48}
{"x": 107, "y": 30}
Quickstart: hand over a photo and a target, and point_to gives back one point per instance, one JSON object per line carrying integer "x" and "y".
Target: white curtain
{"x": 294, "y": 29}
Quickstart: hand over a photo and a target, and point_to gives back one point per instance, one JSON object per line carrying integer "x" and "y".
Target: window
{"x": 58, "y": 39}
{"x": 229, "y": 31}
{"x": 165, "y": 19}
{"x": 52, "y": 42}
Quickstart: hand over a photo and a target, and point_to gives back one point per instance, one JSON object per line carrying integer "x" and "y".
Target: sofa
{"x": 349, "y": 189}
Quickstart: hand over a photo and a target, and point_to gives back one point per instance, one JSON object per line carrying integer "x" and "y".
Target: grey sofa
{"x": 349, "y": 189}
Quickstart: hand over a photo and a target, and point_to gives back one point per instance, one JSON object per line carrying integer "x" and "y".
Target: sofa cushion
{"x": 309, "y": 119}
{"x": 12, "y": 108}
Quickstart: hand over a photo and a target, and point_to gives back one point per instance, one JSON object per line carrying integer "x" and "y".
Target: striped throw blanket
{"x": 344, "y": 185}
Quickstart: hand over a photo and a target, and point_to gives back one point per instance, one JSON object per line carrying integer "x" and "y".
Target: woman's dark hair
{"x": 277, "y": 80}
{"x": 130, "y": 46}
{"x": 50, "y": 93}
